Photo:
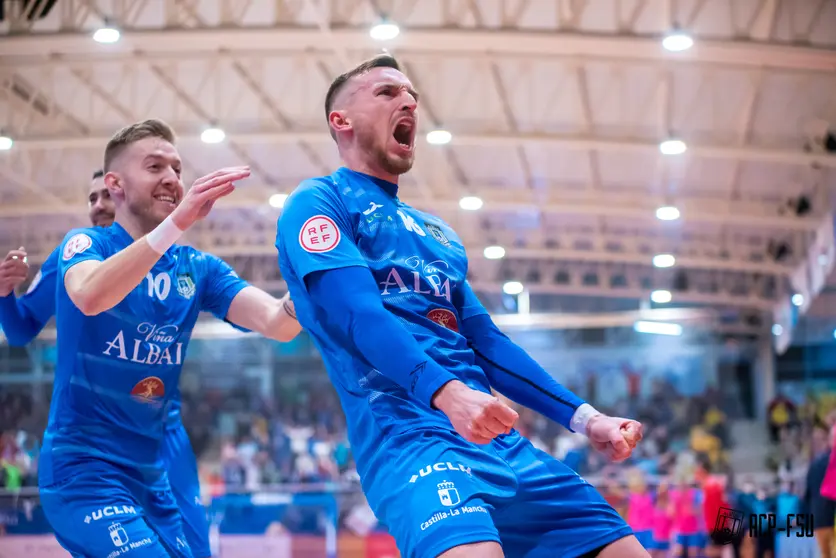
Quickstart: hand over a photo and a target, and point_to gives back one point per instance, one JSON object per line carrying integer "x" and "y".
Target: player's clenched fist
{"x": 614, "y": 437}
{"x": 13, "y": 271}
{"x": 477, "y": 416}
{"x": 203, "y": 194}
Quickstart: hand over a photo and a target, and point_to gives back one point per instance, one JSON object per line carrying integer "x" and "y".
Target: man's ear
{"x": 339, "y": 121}
{"x": 113, "y": 182}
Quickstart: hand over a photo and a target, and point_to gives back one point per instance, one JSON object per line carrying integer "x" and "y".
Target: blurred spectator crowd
{"x": 244, "y": 440}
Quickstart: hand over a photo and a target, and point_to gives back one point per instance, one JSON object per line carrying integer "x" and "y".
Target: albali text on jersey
{"x": 118, "y": 372}
{"x": 23, "y": 318}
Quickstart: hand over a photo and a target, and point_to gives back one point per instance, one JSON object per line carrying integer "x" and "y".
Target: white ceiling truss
{"x": 556, "y": 107}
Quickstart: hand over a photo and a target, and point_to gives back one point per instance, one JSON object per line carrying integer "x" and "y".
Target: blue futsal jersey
{"x": 433, "y": 489}
{"x": 37, "y": 306}
{"x": 116, "y": 381}
{"x": 419, "y": 263}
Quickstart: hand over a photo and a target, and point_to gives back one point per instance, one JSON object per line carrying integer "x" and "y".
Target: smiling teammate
{"x": 23, "y": 319}
{"x": 381, "y": 287}
{"x": 127, "y": 299}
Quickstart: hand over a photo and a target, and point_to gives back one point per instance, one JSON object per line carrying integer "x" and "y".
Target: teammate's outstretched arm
{"x": 256, "y": 310}
{"x": 96, "y": 285}
{"x": 24, "y": 317}
{"x": 513, "y": 373}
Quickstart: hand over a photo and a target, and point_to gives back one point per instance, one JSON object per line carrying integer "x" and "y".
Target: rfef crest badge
{"x": 437, "y": 233}
{"x": 185, "y": 286}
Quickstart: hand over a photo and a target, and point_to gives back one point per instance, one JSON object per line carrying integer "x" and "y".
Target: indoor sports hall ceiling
{"x": 556, "y": 110}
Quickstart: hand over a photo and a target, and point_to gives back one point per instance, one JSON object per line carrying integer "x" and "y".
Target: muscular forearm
{"x": 19, "y": 326}
{"x": 513, "y": 373}
{"x": 352, "y": 302}
{"x": 256, "y": 310}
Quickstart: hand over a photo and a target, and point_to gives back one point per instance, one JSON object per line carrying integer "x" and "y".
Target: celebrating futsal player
{"x": 23, "y": 318}
{"x": 127, "y": 299}
{"x": 382, "y": 289}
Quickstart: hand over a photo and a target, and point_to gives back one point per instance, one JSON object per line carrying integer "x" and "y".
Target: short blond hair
{"x": 128, "y": 135}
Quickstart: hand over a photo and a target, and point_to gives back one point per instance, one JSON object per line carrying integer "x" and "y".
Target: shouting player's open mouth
{"x": 404, "y": 135}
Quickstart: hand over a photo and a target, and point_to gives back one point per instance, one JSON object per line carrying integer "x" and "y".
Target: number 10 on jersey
{"x": 159, "y": 286}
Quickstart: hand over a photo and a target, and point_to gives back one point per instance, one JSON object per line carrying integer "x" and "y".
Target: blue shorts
{"x": 102, "y": 511}
{"x": 181, "y": 465}
{"x": 435, "y": 491}
{"x": 694, "y": 540}
{"x": 659, "y": 545}
{"x": 645, "y": 538}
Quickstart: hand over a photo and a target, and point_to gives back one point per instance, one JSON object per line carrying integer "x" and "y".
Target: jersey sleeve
{"x": 467, "y": 303}
{"x": 315, "y": 231}
{"x": 222, "y": 284}
{"x": 25, "y": 317}
{"x": 80, "y": 245}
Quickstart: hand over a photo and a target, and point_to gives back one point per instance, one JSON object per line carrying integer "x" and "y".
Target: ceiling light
{"x": 834, "y": 334}
{"x": 661, "y": 296}
{"x": 667, "y": 213}
{"x": 677, "y": 42}
{"x": 664, "y": 260}
{"x": 494, "y": 252}
{"x": 439, "y": 137}
{"x": 212, "y": 135}
{"x": 106, "y": 35}
{"x": 512, "y": 288}
{"x": 658, "y": 328}
{"x": 277, "y": 200}
{"x": 384, "y": 31}
{"x": 777, "y": 330}
{"x": 798, "y": 299}
{"x": 673, "y": 147}
{"x": 470, "y": 203}
{"x": 6, "y": 143}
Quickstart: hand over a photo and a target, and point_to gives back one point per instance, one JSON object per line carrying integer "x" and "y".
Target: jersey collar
{"x": 119, "y": 232}
{"x": 389, "y": 187}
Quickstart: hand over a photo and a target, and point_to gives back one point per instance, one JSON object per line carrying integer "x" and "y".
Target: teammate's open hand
{"x": 477, "y": 416}
{"x": 13, "y": 271}
{"x": 203, "y": 194}
{"x": 613, "y": 436}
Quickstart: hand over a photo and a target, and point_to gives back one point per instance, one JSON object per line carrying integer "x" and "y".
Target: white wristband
{"x": 581, "y": 418}
{"x": 164, "y": 236}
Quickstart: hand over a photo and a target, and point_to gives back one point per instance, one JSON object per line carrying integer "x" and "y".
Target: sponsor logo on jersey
{"x": 118, "y": 534}
{"x": 372, "y": 208}
{"x": 185, "y": 286}
{"x": 76, "y": 245}
{"x": 149, "y": 389}
{"x": 444, "y": 318}
{"x": 155, "y": 344}
{"x": 319, "y": 234}
{"x": 427, "y": 278}
{"x": 437, "y": 233}
{"x": 439, "y": 467}
{"x": 110, "y": 511}
{"x": 410, "y": 224}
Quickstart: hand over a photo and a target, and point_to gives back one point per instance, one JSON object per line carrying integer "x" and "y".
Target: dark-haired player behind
{"x": 127, "y": 299}
{"x": 381, "y": 288}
